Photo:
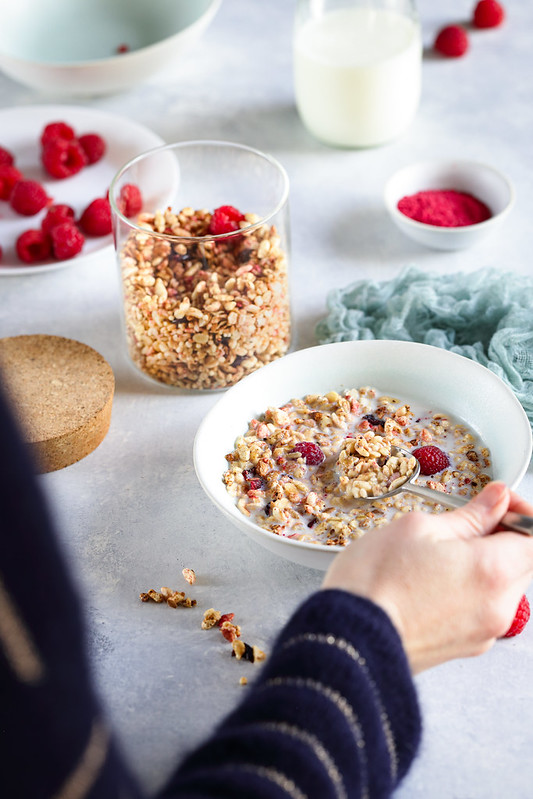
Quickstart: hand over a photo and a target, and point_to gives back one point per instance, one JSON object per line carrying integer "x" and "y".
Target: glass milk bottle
{"x": 357, "y": 69}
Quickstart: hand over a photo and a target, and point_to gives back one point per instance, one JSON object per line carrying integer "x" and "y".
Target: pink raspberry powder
{"x": 444, "y": 208}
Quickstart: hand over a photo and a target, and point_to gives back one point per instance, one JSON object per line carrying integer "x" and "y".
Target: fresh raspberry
{"x": 130, "y": 201}
{"x": 311, "y": 452}
{"x": 62, "y": 158}
{"x": 8, "y": 177}
{"x": 33, "y": 246}
{"x": 488, "y": 14}
{"x": 452, "y": 41}
{"x": 96, "y": 218}
{"x": 6, "y": 158}
{"x": 93, "y": 146}
{"x": 28, "y": 197}
{"x": 225, "y": 219}
{"x": 67, "y": 241}
{"x": 56, "y": 215}
{"x": 520, "y": 620}
{"x": 431, "y": 459}
{"x": 56, "y": 130}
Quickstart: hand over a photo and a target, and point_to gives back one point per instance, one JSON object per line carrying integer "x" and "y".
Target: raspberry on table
{"x": 96, "y": 218}
{"x": 67, "y": 241}
{"x": 33, "y": 246}
{"x": 225, "y": 219}
{"x": 6, "y": 158}
{"x": 56, "y": 215}
{"x": 93, "y": 146}
{"x": 8, "y": 177}
{"x": 28, "y": 197}
{"x": 488, "y": 14}
{"x": 62, "y": 158}
{"x": 311, "y": 452}
{"x": 521, "y": 618}
{"x": 130, "y": 200}
{"x": 431, "y": 459}
{"x": 57, "y": 130}
{"x": 452, "y": 41}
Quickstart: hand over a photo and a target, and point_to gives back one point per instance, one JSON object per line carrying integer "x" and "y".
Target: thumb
{"x": 481, "y": 515}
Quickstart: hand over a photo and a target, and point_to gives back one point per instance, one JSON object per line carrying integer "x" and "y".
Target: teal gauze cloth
{"x": 485, "y": 315}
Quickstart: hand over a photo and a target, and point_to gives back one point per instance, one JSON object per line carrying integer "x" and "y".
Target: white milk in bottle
{"x": 357, "y": 74}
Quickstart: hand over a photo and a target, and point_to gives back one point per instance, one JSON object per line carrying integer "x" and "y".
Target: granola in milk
{"x": 304, "y": 470}
{"x": 201, "y": 312}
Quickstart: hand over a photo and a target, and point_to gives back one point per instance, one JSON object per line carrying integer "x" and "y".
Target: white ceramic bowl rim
{"x": 392, "y": 201}
{"x": 202, "y": 143}
{"x": 253, "y": 387}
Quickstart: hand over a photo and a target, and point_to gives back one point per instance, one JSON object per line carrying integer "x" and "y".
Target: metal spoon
{"x": 511, "y": 520}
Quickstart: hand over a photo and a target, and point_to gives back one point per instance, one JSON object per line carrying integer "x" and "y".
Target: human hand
{"x": 450, "y": 588}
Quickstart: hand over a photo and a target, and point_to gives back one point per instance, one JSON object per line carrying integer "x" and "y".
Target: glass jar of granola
{"x": 202, "y": 240}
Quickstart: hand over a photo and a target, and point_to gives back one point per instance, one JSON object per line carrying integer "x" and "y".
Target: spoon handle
{"x": 512, "y": 521}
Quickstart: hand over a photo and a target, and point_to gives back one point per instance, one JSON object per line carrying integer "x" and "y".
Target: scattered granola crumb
{"x": 243, "y": 681}
{"x": 230, "y": 631}
{"x": 189, "y": 575}
{"x": 173, "y": 598}
{"x": 211, "y": 618}
{"x": 243, "y": 651}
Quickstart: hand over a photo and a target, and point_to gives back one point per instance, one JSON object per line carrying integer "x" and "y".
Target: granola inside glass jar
{"x": 203, "y": 262}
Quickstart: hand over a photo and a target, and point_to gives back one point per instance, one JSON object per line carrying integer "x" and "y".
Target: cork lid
{"x": 62, "y": 392}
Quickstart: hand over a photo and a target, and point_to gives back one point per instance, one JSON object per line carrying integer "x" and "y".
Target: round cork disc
{"x": 62, "y": 392}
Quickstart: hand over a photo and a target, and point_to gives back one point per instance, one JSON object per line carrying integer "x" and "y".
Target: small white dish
{"x": 482, "y": 181}
{"x": 432, "y": 377}
{"x": 97, "y": 47}
{"x": 20, "y": 130}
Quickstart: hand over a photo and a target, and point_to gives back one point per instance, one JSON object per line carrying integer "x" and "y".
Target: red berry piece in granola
{"x": 56, "y": 215}
{"x": 130, "y": 201}
{"x": 488, "y": 14}
{"x": 225, "y": 219}
{"x": 452, "y": 41}
{"x": 28, "y": 197}
{"x": 6, "y": 158}
{"x": 33, "y": 246}
{"x": 62, "y": 158}
{"x": 521, "y": 618}
{"x": 67, "y": 241}
{"x": 57, "y": 130}
{"x": 431, "y": 459}
{"x": 8, "y": 177}
{"x": 93, "y": 146}
{"x": 96, "y": 218}
{"x": 311, "y": 452}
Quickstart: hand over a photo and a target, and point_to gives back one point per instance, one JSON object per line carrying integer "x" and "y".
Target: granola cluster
{"x": 202, "y": 312}
{"x": 306, "y": 469}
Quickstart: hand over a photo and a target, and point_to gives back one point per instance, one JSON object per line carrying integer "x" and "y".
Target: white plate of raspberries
{"x": 56, "y": 165}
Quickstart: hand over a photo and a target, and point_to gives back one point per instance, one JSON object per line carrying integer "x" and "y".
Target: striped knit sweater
{"x": 333, "y": 713}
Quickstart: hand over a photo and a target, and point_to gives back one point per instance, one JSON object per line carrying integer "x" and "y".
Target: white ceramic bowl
{"x": 480, "y": 180}
{"x": 431, "y": 376}
{"x": 72, "y": 48}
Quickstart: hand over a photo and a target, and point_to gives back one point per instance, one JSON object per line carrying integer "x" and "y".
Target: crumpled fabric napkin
{"x": 485, "y": 315}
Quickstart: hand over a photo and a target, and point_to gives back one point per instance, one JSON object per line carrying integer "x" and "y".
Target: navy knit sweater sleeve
{"x": 333, "y": 712}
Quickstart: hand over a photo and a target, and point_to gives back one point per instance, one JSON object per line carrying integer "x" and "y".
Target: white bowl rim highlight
{"x": 246, "y": 387}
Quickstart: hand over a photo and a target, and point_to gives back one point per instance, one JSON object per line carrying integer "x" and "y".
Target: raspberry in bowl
{"x": 204, "y": 265}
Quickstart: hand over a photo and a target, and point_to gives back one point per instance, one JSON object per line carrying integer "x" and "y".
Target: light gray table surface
{"x": 132, "y": 514}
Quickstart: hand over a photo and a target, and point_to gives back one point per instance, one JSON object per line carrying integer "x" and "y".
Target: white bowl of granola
{"x": 97, "y": 47}
{"x": 289, "y": 427}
